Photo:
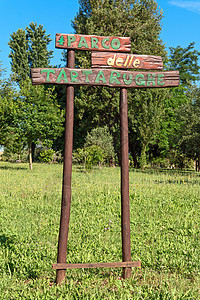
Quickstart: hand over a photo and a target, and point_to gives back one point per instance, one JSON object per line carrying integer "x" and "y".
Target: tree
{"x": 8, "y": 107}
{"x": 101, "y": 137}
{"x": 97, "y": 106}
{"x": 188, "y": 117}
{"x": 185, "y": 60}
{"x": 146, "y": 117}
{"x": 39, "y": 117}
{"x": 29, "y": 50}
{"x": 181, "y": 100}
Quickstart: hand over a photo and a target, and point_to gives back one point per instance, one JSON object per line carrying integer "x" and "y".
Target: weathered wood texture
{"x": 125, "y": 210}
{"x": 111, "y": 78}
{"x": 64, "y": 266}
{"x": 67, "y": 173}
{"x": 93, "y": 42}
{"x": 126, "y": 61}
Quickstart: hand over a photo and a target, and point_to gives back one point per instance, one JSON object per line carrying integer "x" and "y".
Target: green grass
{"x": 165, "y": 213}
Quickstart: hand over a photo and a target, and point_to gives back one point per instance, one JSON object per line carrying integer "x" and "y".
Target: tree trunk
{"x": 132, "y": 147}
{"x": 143, "y": 157}
{"x": 33, "y": 151}
{"x": 30, "y": 156}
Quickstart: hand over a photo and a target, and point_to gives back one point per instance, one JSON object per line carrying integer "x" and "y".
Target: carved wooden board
{"x": 106, "y": 77}
{"x": 125, "y": 61}
{"x": 93, "y": 42}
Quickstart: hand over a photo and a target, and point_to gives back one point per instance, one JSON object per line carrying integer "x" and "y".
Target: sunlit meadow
{"x": 165, "y": 214}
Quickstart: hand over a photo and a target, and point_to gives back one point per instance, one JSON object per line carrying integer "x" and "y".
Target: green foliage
{"x": 15, "y": 155}
{"x": 89, "y": 156}
{"x": 39, "y": 116}
{"x": 99, "y": 106}
{"x": 164, "y": 211}
{"x": 185, "y": 60}
{"x": 29, "y": 50}
{"x": 145, "y": 118}
{"x": 19, "y": 55}
{"x": 101, "y": 137}
{"x": 46, "y": 155}
{"x": 9, "y": 135}
{"x": 189, "y": 119}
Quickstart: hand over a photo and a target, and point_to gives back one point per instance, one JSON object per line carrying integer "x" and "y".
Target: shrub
{"x": 89, "y": 156}
{"x": 102, "y": 138}
{"x": 46, "y": 155}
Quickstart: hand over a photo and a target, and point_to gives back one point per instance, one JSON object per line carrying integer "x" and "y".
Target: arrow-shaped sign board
{"x": 126, "y": 61}
{"x": 93, "y": 42}
{"x": 106, "y": 77}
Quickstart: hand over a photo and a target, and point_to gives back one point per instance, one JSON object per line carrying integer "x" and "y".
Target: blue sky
{"x": 181, "y": 22}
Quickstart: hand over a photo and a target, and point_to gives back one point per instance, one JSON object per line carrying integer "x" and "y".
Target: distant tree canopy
{"x": 160, "y": 120}
{"x": 185, "y": 60}
{"x": 38, "y": 117}
{"x": 29, "y": 50}
{"x": 99, "y": 106}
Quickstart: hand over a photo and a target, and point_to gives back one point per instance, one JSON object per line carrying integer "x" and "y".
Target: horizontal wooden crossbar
{"x": 64, "y": 266}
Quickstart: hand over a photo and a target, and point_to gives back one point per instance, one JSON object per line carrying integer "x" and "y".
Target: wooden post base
{"x": 64, "y": 266}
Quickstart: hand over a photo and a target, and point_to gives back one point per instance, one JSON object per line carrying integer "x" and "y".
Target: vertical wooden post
{"x": 125, "y": 209}
{"x": 67, "y": 171}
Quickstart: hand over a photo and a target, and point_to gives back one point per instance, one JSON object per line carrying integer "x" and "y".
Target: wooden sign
{"x": 106, "y": 77}
{"x": 93, "y": 42}
{"x": 126, "y": 61}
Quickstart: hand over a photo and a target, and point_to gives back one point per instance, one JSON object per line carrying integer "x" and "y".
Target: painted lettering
{"x": 115, "y": 44}
{"x": 94, "y": 43}
{"x": 70, "y": 39}
{"x": 136, "y": 63}
{"x": 139, "y": 80}
{"x": 113, "y": 77}
{"x": 151, "y": 79}
{"x": 131, "y": 61}
{"x": 48, "y": 71}
{"x": 103, "y": 43}
{"x": 129, "y": 80}
{"x": 62, "y": 76}
{"x": 100, "y": 77}
{"x": 74, "y": 75}
{"x": 111, "y": 61}
{"x": 82, "y": 43}
{"x": 123, "y": 61}
{"x": 87, "y": 73}
{"x": 119, "y": 61}
{"x": 160, "y": 79}
{"x": 61, "y": 41}
{"x": 126, "y": 62}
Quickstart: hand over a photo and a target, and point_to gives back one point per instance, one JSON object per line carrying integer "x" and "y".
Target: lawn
{"x": 165, "y": 235}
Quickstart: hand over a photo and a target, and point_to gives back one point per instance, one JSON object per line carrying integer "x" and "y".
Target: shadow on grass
{"x": 7, "y": 241}
{"x": 166, "y": 171}
{"x": 13, "y": 167}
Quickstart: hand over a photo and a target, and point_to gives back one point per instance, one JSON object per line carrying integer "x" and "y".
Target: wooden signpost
{"x": 93, "y": 42}
{"x": 126, "y": 61}
{"x": 111, "y": 56}
{"x": 111, "y": 78}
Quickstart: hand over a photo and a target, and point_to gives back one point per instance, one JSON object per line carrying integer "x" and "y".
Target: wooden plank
{"x": 126, "y": 61}
{"x": 64, "y": 266}
{"x": 125, "y": 207}
{"x": 111, "y": 78}
{"x": 93, "y": 42}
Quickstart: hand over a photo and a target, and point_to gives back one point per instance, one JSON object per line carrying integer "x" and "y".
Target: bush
{"x": 102, "y": 138}
{"x": 89, "y": 156}
{"x": 46, "y": 155}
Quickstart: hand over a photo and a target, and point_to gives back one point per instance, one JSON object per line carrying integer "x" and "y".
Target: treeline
{"x": 164, "y": 124}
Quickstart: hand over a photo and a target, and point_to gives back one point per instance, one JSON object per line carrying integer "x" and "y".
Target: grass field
{"x": 165, "y": 233}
